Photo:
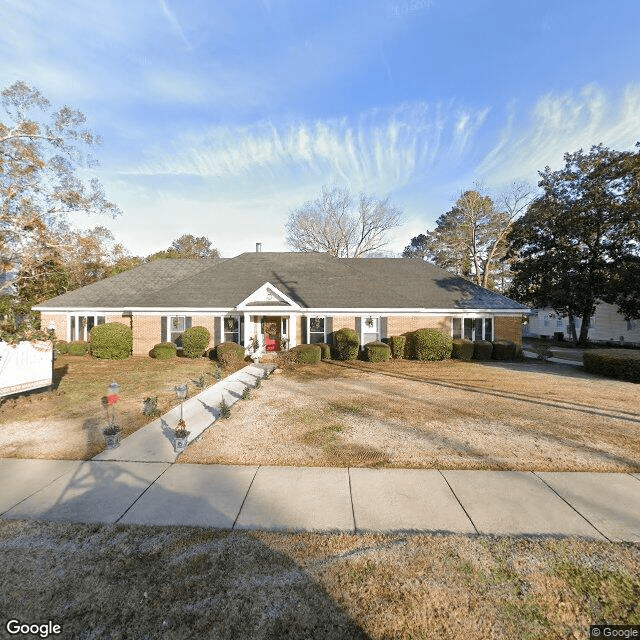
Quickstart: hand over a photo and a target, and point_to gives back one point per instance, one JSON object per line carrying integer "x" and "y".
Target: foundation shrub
{"x": 307, "y": 353}
{"x": 504, "y": 350}
{"x": 78, "y": 348}
{"x": 111, "y": 341}
{"x": 164, "y": 351}
{"x": 462, "y": 349}
{"x": 325, "y": 350}
{"x": 377, "y": 351}
{"x": 431, "y": 344}
{"x": 61, "y": 347}
{"x": 397, "y": 345}
{"x": 229, "y": 353}
{"x": 346, "y": 344}
{"x": 482, "y": 350}
{"x": 614, "y": 363}
{"x": 195, "y": 341}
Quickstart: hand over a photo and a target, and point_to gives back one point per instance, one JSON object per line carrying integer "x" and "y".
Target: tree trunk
{"x": 584, "y": 328}
{"x": 572, "y": 329}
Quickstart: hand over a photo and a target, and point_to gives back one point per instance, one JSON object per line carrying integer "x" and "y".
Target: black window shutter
{"x": 328, "y": 328}
{"x": 187, "y": 322}
{"x": 303, "y": 325}
{"x": 383, "y": 328}
{"x": 163, "y": 329}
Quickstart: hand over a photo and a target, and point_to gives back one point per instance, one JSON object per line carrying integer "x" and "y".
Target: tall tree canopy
{"x": 579, "y": 242}
{"x": 40, "y": 152}
{"x": 335, "y": 223}
{"x": 187, "y": 246}
{"x": 470, "y": 238}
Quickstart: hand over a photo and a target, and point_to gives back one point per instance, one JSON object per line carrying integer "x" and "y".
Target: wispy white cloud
{"x": 561, "y": 124}
{"x": 381, "y": 149}
{"x": 171, "y": 17}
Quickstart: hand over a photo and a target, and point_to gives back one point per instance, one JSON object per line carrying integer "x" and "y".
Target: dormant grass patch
{"x": 111, "y": 581}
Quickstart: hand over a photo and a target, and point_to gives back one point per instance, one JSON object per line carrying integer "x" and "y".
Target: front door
{"x": 271, "y": 331}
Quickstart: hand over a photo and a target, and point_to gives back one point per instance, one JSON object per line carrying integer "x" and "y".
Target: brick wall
{"x": 146, "y": 334}
{"x": 61, "y": 323}
{"x": 344, "y": 322}
{"x": 397, "y": 325}
{"x": 509, "y": 328}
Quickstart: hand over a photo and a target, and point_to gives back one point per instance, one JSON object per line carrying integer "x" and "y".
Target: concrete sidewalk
{"x": 601, "y": 506}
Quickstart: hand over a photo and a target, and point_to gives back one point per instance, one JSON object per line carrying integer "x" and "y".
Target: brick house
{"x": 284, "y": 299}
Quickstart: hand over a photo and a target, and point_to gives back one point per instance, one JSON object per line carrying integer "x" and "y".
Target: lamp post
{"x": 112, "y": 399}
{"x": 181, "y": 392}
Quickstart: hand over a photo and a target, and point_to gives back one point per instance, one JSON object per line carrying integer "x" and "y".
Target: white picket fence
{"x": 25, "y": 366}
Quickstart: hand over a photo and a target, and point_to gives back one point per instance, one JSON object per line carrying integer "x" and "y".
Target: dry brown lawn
{"x": 448, "y": 415}
{"x": 67, "y": 422}
{"x": 115, "y": 581}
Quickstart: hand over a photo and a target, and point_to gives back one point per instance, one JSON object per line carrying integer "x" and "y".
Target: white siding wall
{"x": 606, "y": 325}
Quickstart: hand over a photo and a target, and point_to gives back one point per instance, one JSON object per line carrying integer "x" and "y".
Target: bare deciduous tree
{"x": 333, "y": 224}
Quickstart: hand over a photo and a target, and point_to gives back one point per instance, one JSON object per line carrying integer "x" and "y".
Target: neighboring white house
{"x": 606, "y": 325}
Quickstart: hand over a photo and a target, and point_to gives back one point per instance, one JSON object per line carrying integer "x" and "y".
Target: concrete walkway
{"x": 138, "y": 483}
{"x": 601, "y": 506}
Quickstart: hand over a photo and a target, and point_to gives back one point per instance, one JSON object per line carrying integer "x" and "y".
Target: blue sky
{"x": 219, "y": 118}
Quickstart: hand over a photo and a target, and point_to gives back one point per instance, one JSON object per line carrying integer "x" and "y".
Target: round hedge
{"x": 195, "y": 341}
{"x": 431, "y": 344}
{"x": 228, "y": 353}
{"x": 346, "y": 344}
{"x": 165, "y": 351}
{"x": 462, "y": 349}
{"x": 377, "y": 351}
{"x": 482, "y": 350}
{"x": 504, "y": 350}
{"x": 111, "y": 341}
{"x": 307, "y": 353}
{"x": 78, "y": 348}
{"x": 325, "y": 350}
{"x": 397, "y": 344}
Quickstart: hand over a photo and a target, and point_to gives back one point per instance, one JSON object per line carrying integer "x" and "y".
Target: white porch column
{"x": 248, "y": 329}
{"x": 293, "y": 330}
{"x": 221, "y": 336}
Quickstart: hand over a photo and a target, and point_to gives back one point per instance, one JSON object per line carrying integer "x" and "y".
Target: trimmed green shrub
{"x": 346, "y": 344}
{"x": 307, "y": 353}
{"x": 431, "y": 344}
{"x": 614, "y": 363}
{"x": 482, "y": 350}
{"x": 397, "y": 344}
{"x": 78, "y": 348}
{"x": 325, "y": 350}
{"x": 61, "y": 347}
{"x": 165, "y": 351}
{"x": 195, "y": 341}
{"x": 111, "y": 341}
{"x": 462, "y": 349}
{"x": 229, "y": 353}
{"x": 504, "y": 350}
{"x": 377, "y": 351}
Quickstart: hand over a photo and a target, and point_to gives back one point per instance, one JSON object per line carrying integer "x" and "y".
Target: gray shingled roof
{"x": 314, "y": 280}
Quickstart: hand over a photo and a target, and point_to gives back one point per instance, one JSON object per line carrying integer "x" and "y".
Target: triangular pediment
{"x": 268, "y": 296}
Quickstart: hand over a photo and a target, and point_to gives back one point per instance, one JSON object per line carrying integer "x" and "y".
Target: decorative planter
{"x": 111, "y": 438}
{"x": 181, "y": 440}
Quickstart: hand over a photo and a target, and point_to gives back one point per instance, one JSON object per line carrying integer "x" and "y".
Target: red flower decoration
{"x": 112, "y": 399}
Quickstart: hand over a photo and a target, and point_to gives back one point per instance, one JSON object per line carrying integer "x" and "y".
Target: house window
{"x": 316, "y": 329}
{"x": 177, "y": 325}
{"x": 370, "y": 329}
{"x": 472, "y": 328}
{"x": 231, "y": 329}
{"x": 80, "y": 326}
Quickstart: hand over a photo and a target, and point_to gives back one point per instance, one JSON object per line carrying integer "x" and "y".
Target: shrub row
{"x": 614, "y": 363}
